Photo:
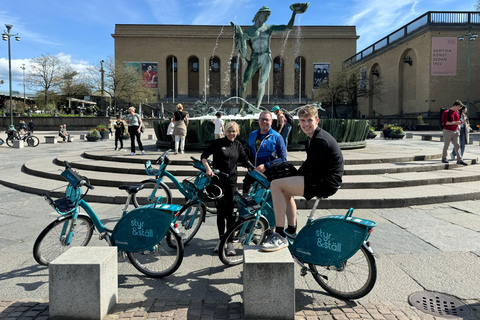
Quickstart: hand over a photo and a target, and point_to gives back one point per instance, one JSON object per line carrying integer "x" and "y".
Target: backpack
{"x": 449, "y": 116}
{"x": 289, "y": 117}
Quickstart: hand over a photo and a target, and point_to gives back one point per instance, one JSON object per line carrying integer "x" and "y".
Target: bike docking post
{"x": 268, "y": 284}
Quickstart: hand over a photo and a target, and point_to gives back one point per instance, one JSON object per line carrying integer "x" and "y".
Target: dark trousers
{"x": 225, "y": 215}
{"x": 118, "y": 137}
{"x": 133, "y": 131}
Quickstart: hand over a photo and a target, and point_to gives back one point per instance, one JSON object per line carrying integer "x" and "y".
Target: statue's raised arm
{"x": 240, "y": 40}
{"x": 297, "y": 8}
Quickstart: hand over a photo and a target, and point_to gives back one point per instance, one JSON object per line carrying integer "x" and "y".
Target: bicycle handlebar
{"x": 162, "y": 156}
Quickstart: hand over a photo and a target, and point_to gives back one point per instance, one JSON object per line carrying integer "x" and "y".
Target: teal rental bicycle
{"x": 155, "y": 188}
{"x": 145, "y": 235}
{"x": 335, "y": 248}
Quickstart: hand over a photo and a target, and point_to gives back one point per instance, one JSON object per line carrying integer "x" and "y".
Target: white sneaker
{"x": 216, "y": 247}
{"x": 132, "y": 153}
{"x": 181, "y": 152}
{"x": 274, "y": 243}
{"x": 230, "y": 250}
{"x": 143, "y": 151}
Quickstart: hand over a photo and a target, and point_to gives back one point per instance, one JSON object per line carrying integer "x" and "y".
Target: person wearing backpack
{"x": 284, "y": 123}
{"x": 451, "y": 121}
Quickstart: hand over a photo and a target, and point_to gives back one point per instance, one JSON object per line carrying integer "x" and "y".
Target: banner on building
{"x": 150, "y": 74}
{"x": 444, "y": 56}
{"x": 321, "y": 72}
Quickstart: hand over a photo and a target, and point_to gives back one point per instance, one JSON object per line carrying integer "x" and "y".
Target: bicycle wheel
{"x": 33, "y": 141}
{"x": 188, "y": 222}
{"x": 239, "y": 234}
{"x": 210, "y": 207}
{"x": 50, "y": 244}
{"x": 141, "y": 197}
{"x": 162, "y": 260}
{"x": 10, "y": 141}
{"x": 354, "y": 280}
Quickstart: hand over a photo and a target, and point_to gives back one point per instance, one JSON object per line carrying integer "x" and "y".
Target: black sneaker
{"x": 462, "y": 163}
{"x": 444, "y": 161}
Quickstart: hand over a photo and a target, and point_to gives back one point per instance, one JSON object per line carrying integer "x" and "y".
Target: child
{"x": 119, "y": 131}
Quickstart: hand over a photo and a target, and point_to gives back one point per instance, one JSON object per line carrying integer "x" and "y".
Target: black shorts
{"x": 316, "y": 189}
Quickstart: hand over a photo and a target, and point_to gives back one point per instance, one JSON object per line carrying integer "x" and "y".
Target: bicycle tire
{"x": 355, "y": 279}
{"x": 49, "y": 244}
{"x": 183, "y": 220}
{"x": 140, "y": 198}
{"x": 162, "y": 261}
{"x": 33, "y": 141}
{"x": 10, "y": 141}
{"x": 239, "y": 233}
{"x": 210, "y": 206}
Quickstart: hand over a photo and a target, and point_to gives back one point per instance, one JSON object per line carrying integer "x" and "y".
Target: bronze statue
{"x": 257, "y": 37}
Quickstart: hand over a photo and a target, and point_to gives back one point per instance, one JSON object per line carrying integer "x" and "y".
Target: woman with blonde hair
{"x": 180, "y": 131}
{"x": 227, "y": 152}
{"x": 134, "y": 124}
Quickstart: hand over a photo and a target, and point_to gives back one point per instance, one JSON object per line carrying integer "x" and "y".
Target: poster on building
{"x": 444, "y": 56}
{"x": 131, "y": 65}
{"x": 150, "y": 74}
{"x": 321, "y": 73}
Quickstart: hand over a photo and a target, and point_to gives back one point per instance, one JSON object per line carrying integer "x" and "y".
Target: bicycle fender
{"x": 80, "y": 214}
{"x": 161, "y": 183}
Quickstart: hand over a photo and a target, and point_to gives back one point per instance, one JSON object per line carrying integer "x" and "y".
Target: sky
{"x": 79, "y": 32}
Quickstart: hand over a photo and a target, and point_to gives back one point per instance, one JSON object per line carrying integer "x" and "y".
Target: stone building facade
{"x": 192, "y": 60}
{"x": 423, "y": 66}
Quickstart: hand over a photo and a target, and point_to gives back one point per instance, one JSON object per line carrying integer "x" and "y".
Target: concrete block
{"x": 408, "y": 135}
{"x": 82, "y": 137}
{"x": 71, "y": 138}
{"x": 426, "y": 137}
{"x": 470, "y": 140}
{"x": 50, "y": 139}
{"x": 150, "y": 136}
{"x": 83, "y": 283}
{"x": 19, "y": 144}
{"x": 268, "y": 284}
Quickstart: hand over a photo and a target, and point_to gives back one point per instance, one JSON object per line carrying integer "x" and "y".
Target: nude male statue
{"x": 257, "y": 37}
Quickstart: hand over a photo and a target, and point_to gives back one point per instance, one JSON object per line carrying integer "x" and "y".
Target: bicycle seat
{"x": 131, "y": 188}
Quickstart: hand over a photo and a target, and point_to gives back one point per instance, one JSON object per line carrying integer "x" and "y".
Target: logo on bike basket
{"x": 137, "y": 229}
{"x": 324, "y": 241}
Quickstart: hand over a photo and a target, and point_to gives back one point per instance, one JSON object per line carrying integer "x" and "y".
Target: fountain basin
{"x": 349, "y": 133}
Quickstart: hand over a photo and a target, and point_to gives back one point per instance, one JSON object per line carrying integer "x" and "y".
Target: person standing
{"x": 31, "y": 126}
{"x": 319, "y": 176}
{"x": 284, "y": 123}
{"x": 227, "y": 152}
{"x": 119, "y": 131}
{"x": 219, "y": 128}
{"x": 170, "y": 138}
{"x": 451, "y": 121}
{"x": 180, "y": 130}
{"x": 464, "y": 132}
{"x": 266, "y": 147}
{"x": 134, "y": 124}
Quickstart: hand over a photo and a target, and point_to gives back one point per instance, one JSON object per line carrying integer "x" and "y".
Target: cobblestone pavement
{"x": 212, "y": 310}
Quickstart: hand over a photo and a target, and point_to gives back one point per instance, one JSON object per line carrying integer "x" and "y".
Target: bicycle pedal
{"x": 102, "y": 235}
{"x": 303, "y": 271}
{"x": 122, "y": 255}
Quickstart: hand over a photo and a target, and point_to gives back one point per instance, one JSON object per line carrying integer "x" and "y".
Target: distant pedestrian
{"x": 134, "y": 124}
{"x": 284, "y": 123}
{"x": 170, "y": 138}
{"x": 119, "y": 132}
{"x": 31, "y": 126}
{"x": 180, "y": 130}
{"x": 219, "y": 128}
{"x": 451, "y": 121}
{"x": 22, "y": 126}
{"x": 464, "y": 131}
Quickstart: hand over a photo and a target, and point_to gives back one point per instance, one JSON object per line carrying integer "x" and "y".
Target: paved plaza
{"x": 434, "y": 247}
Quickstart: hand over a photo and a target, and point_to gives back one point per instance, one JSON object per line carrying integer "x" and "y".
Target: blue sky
{"x": 79, "y": 32}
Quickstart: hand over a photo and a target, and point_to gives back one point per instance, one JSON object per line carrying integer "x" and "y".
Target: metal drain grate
{"x": 439, "y": 304}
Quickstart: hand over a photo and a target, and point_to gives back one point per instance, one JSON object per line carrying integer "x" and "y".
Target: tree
{"x": 478, "y": 5}
{"x": 46, "y": 74}
{"x": 74, "y": 83}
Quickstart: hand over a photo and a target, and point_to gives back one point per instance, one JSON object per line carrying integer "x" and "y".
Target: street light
{"x": 23, "y": 68}
{"x": 6, "y": 37}
{"x": 470, "y": 37}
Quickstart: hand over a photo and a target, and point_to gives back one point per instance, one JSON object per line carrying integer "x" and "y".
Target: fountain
{"x": 350, "y": 133}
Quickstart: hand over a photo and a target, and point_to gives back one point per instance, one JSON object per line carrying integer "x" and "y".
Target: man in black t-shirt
{"x": 319, "y": 176}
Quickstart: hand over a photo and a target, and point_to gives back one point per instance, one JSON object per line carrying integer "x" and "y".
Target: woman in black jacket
{"x": 227, "y": 152}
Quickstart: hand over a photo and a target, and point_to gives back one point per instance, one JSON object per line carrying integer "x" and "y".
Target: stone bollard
{"x": 83, "y": 283}
{"x": 408, "y": 135}
{"x": 268, "y": 284}
{"x": 82, "y": 137}
{"x": 19, "y": 144}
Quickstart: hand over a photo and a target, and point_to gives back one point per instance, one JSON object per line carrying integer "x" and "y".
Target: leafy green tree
{"x": 478, "y": 5}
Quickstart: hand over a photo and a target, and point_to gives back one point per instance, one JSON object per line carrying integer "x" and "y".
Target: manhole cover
{"x": 439, "y": 304}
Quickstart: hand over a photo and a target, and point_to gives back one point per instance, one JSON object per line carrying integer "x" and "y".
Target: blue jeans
{"x": 285, "y": 132}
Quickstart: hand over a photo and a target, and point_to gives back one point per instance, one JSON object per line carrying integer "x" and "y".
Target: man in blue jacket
{"x": 266, "y": 147}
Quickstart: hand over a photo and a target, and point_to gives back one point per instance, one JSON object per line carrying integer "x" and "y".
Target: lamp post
{"x": 470, "y": 37}
{"x": 23, "y": 68}
{"x": 6, "y": 37}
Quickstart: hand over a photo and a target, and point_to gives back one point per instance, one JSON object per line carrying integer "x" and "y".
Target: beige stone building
{"x": 188, "y": 60}
{"x": 423, "y": 66}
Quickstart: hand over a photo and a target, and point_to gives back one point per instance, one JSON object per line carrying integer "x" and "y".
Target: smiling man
{"x": 319, "y": 176}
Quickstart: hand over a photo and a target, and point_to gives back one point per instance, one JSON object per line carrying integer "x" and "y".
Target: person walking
{"x": 219, "y": 128}
{"x": 134, "y": 124}
{"x": 180, "y": 130}
{"x": 450, "y": 122}
{"x": 464, "y": 132}
{"x": 119, "y": 131}
{"x": 227, "y": 152}
{"x": 170, "y": 138}
{"x": 31, "y": 126}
